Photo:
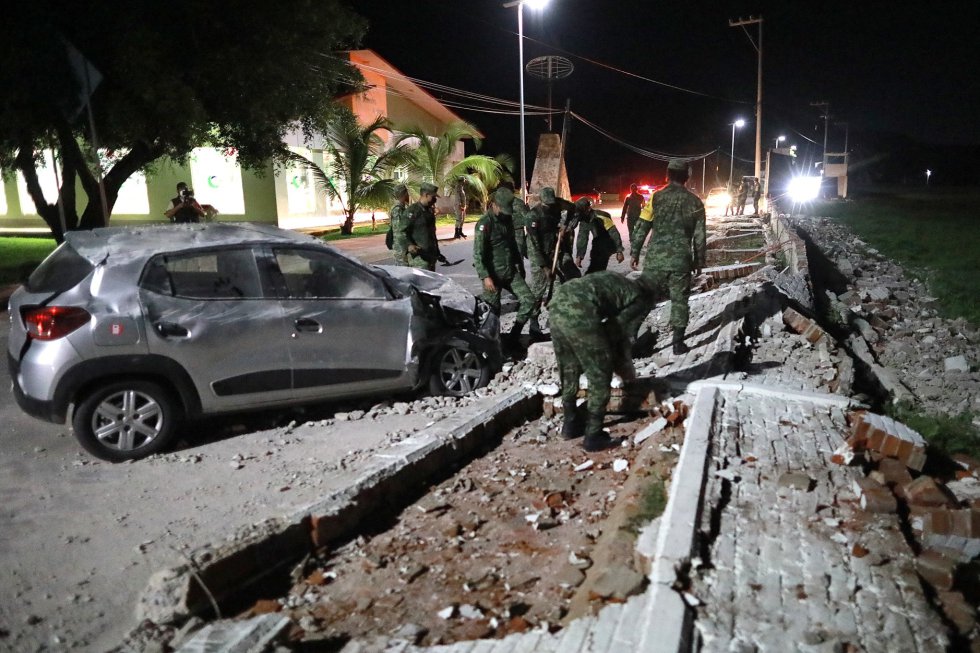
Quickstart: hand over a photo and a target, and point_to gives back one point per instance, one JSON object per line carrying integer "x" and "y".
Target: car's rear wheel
{"x": 126, "y": 420}
{"x": 458, "y": 370}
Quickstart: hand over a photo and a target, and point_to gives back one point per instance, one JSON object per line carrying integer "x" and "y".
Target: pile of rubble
{"x": 942, "y": 519}
{"x": 934, "y": 359}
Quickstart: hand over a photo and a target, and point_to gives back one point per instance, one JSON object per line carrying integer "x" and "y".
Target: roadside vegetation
{"x": 20, "y": 255}
{"x": 934, "y": 233}
{"x": 947, "y": 434}
{"x": 381, "y": 227}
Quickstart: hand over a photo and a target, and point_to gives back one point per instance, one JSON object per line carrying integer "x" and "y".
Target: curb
{"x": 212, "y": 575}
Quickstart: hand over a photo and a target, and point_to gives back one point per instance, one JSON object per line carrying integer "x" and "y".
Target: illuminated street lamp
{"x": 731, "y": 167}
{"x": 781, "y": 138}
{"x": 534, "y": 4}
{"x": 928, "y": 174}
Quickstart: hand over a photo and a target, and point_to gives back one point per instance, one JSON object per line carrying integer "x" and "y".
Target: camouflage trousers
{"x": 528, "y": 305}
{"x": 566, "y": 268}
{"x": 416, "y": 261}
{"x": 400, "y": 255}
{"x": 582, "y": 346}
{"x": 677, "y": 285}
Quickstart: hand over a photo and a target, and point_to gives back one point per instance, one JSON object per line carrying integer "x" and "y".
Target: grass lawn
{"x": 933, "y": 233}
{"x": 20, "y": 255}
{"x": 361, "y": 230}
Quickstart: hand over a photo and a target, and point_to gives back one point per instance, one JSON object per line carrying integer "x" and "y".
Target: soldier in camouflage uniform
{"x": 396, "y": 218}
{"x": 521, "y": 214}
{"x": 677, "y": 247}
{"x": 594, "y": 321}
{"x": 606, "y": 240}
{"x": 544, "y": 224}
{"x": 419, "y": 230}
{"x": 632, "y": 206}
{"x": 498, "y": 262}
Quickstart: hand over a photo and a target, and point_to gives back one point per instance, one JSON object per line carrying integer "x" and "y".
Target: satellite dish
{"x": 550, "y": 68}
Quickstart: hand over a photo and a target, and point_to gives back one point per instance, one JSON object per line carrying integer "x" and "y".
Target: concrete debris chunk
{"x": 237, "y": 636}
{"x": 924, "y": 491}
{"x": 584, "y": 466}
{"x": 956, "y": 364}
{"x": 620, "y": 465}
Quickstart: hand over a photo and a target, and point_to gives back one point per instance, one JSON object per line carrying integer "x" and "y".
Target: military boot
{"x": 595, "y": 438}
{"x": 574, "y": 421}
{"x": 535, "y": 330}
{"x": 679, "y": 346}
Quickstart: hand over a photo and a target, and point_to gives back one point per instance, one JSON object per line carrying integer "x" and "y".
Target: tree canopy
{"x": 175, "y": 75}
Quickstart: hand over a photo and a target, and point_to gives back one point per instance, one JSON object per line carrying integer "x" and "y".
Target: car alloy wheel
{"x": 125, "y": 420}
{"x": 459, "y": 371}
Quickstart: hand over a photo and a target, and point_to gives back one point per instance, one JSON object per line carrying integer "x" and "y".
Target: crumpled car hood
{"x": 450, "y": 294}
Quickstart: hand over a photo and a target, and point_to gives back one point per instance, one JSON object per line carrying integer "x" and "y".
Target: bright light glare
{"x": 536, "y": 4}
{"x": 781, "y": 138}
{"x": 740, "y": 123}
{"x": 804, "y": 189}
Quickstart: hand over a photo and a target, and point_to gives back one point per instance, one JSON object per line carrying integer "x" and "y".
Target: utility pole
{"x": 823, "y": 104}
{"x": 753, "y": 20}
{"x": 847, "y": 129}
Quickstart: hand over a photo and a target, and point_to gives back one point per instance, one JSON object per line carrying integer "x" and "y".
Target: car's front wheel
{"x": 126, "y": 420}
{"x": 458, "y": 370}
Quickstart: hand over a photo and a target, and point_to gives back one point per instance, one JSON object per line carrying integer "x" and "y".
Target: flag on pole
{"x": 86, "y": 76}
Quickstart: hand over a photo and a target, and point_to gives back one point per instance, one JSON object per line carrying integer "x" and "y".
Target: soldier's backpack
{"x": 390, "y": 238}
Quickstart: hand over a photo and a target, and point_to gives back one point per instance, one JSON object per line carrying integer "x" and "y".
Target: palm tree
{"x": 361, "y": 162}
{"x": 474, "y": 176}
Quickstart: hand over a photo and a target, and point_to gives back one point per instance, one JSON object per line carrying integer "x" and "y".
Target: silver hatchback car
{"x": 128, "y": 332}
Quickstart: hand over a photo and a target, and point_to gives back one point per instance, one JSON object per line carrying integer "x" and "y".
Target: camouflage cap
{"x": 547, "y": 195}
{"x": 428, "y": 189}
{"x": 504, "y": 199}
{"x": 583, "y": 203}
{"x": 400, "y": 190}
{"x": 677, "y": 164}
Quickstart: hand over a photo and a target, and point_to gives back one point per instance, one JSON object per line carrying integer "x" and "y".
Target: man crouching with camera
{"x": 184, "y": 208}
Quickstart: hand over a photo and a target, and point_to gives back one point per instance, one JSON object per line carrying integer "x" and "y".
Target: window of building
{"x": 301, "y": 189}
{"x": 217, "y": 179}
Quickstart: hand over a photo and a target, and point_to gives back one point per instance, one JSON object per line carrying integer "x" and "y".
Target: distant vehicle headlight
{"x": 804, "y": 189}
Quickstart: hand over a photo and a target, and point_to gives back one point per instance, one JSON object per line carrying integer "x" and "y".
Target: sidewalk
{"x": 372, "y": 249}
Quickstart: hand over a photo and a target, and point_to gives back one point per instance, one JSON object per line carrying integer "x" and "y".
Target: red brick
{"x": 923, "y": 491}
{"x": 894, "y": 472}
{"x": 873, "y": 496}
{"x": 938, "y": 569}
{"x": 960, "y": 612}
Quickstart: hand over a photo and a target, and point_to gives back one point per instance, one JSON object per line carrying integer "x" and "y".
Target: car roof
{"x": 143, "y": 241}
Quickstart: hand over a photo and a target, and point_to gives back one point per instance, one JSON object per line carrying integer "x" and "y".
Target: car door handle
{"x": 171, "y": 330}
{"x": 307, "y": 324}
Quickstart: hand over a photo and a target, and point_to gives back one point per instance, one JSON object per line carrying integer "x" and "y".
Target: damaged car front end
{"x": 458, "y": 349}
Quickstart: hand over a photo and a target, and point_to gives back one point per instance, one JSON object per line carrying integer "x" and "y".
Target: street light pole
{"x": 731, "y": 166}
{"x": 535, "y": 4}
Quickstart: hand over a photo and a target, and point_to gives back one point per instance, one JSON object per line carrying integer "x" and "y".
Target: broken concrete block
{"x": 957, "y": 364}
{"x": 877, "y": 294}
{"x": 618, "y": 582}
{"x": 894, "y": 472}
{"x": 797, "y": 481}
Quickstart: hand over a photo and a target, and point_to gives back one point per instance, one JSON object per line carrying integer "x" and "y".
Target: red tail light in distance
{"x": 53, "y": 322}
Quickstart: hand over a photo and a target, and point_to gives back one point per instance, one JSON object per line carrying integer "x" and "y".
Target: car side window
{"x": 322, "y": 275}
{"x": 217, "y": 274}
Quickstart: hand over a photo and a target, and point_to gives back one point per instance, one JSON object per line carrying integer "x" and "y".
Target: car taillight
{"x": 53, "y": 322}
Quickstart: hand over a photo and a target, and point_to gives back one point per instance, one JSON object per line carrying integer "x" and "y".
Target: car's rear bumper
{"x": 39, "y": 408}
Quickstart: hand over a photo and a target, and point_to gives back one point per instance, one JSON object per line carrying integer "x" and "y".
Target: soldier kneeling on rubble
{"x": 594, "y": 321}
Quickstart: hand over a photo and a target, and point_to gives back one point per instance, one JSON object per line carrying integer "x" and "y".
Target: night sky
{"x": 884, "y": 67}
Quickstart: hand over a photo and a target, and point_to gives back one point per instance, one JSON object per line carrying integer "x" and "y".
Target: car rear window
{"x": 221, "y": 274}
{"x": 63, "y": 269}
